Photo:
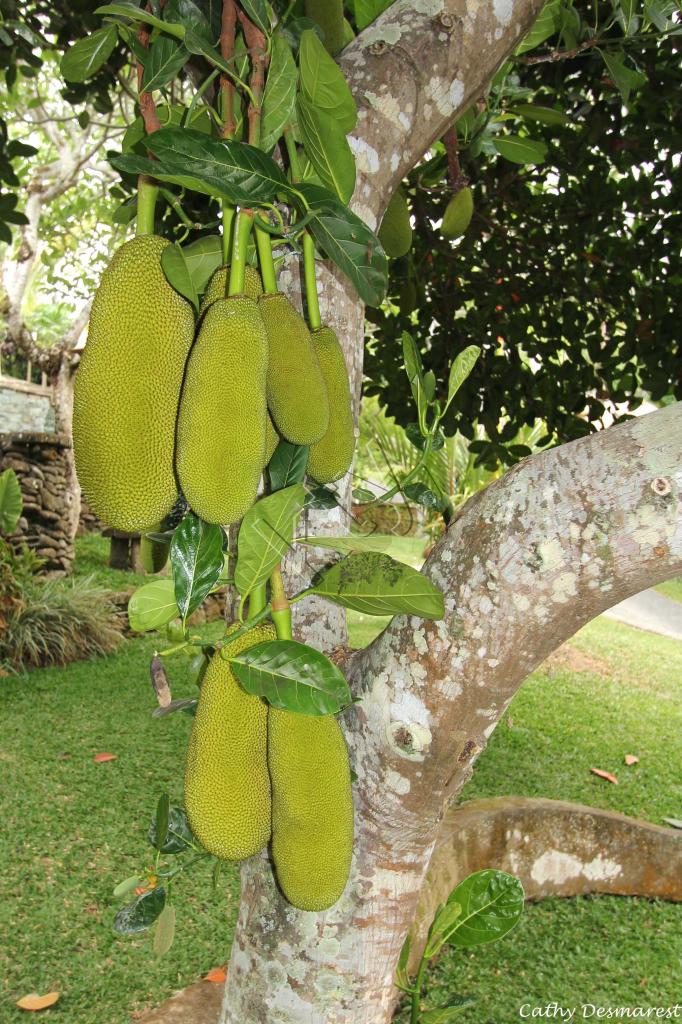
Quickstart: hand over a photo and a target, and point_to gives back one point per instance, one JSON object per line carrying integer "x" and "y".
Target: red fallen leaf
{"x": 605, "y": 775}
{"x": 35, "y": 1002}
{"x": 216, "y": 975}
{"x": 101, "y": 758}
{"x": 630, "y": 759}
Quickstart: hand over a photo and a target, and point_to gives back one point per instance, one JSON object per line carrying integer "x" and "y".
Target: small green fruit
{"x": 458, "y": 214}
{"x": 395, "y": 233}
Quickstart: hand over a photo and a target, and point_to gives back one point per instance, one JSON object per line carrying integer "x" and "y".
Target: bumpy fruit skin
{"x": 221, "y": 423}
{"x": 312, "y": 808}
{"x": 331, "y": 457}
{"x": 297, "y": 397}
{"x": 219, "y": 283}
{"x": 127, "y": 389}
{"x": 271, "y": 439}
{"x": 395, "y": 233}
{"x": 227, "y": 786}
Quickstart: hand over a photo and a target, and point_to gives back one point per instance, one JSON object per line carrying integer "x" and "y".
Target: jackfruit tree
{"x": 219, "y": 388}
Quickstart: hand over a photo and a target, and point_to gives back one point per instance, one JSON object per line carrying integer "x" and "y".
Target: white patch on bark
{"x": 555, "y": 866}
{"x": 503, "y": 10}
{"x": 398, "y": 783}
{"x": 366, "y": 157}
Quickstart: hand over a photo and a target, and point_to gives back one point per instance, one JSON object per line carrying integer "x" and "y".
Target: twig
{"x": 145, "y": 99}
{"x": 457, "y": 179}
{"x": 556, "y": 55}
{"x": 228, "y": 28}
{"x": 256, "y": 43}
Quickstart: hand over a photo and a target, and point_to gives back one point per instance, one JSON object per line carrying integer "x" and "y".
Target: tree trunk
{"x": 556, "y": 541}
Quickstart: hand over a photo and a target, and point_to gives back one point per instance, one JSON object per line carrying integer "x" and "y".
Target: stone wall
{"x": 25, "y": 408}
{"x": 40, "y": 461}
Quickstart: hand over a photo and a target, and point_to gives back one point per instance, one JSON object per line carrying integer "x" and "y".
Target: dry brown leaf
{"x": 216, "y": 975}
{"x": 101, "y": 758}
{"x": 630, "y": 759}
{"x": 35, "y": 1002}
{"x": 605, "y": 775}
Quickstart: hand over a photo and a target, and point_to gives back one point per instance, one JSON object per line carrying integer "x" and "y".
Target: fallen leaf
{"x": 101, "y": 758}
{"x": 675, "y": 822}
{"x": 630, "y": 759}
{"x": 216, "y": 975}
{"x": 35, "y": 1002}
{"x": 605, "y": 775}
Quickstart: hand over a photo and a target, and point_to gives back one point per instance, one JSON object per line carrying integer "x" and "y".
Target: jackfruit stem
{"x": 312, "y": 300}
{"x": 267, "y": 264}
{"x": 257, "y": 600}
{"x": 281, "y": 612}
{"x": 147, "y": 191}
{"x": 228, "y": 221}
{"x": 240, "y": 245}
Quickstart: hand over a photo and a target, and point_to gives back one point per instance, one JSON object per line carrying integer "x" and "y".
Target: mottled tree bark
{"x": 553, "y": 543}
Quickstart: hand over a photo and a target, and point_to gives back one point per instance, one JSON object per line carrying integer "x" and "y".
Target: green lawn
{"x": 72, "y": 829}
{"x": 92, "y": 559}
{"x": 671, "y": 588}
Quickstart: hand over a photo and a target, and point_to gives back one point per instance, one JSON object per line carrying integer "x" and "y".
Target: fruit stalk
{"x": 281, "y": 611}
{"x": 240, "y": 244}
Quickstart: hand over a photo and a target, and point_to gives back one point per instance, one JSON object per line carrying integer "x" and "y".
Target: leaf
{"x": 135, "y": 13}
{"x": 353, "y": 542}
{"x": 179, "y": 835}
{"x": 321, "y": 498}
{"x": 164, "y": 933}
{"x": 165, "y": 58}
{"x": 366, "y": 11}
{"x": 521, "y": 151}
{"x": 376, "y": 584}
{"x": 257, "y": 11}
{"x": 127, "y": 885}
{"x": 187, "y": 704}
{"x": 605, "y": 775}
{"x": 323, "y": 83}
{"x": 675, "y": 822}
{"x": 624, "y": 78}
{"x": 152, "y": 606}
{"x": 196, "y": 555}
{"x": 348, "y": 242}
{"x": 11, "y": 502}
{"x": 279, "y": 97}
{"x": 415, "y": 375}
{"x": 461, "y": 369}
{"x": 445, "y": 1014}
{"x": 292, "y": 676}
{"x": 544, "y": 115}
{"x": 202, "y": 259}
{"x": 103, "y": 758}
{"x": 265, "y": 536}
{"x": 140, "y": 915}
{"x": 362, "y": 495}
{"x": 288, "y": 465}
{"x": 217, "y": 975}
{"x": 491, "y": 904}
{"x": 402, "y": 976}
{"x": 545, "y": 25}
{"x": 86, "y": 56}
{"x": 35, "y": 1002}
{"x": 628, "y": 9}
{"x": 177, "y": 273}
{"x": 162, "y": 820}
{"x": 422, "y": 495}
{"x": 327, "y": 149}
{"x": 225, "y": 169}
{"x": 631, "y": 759}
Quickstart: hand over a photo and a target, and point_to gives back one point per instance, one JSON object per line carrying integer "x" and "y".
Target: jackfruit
{"x": 395, "y": 233}
{"x": 271, "y": 439}
{"x": 127, "y": 389}
{"x": 220, "y": 282}
{"x": 458, "y": 214}
{"x": 227, "y": 786}
{"x": 312, "y": 807}
{"x": 297, "y": 397}
{"x": 221, "y": 422}
{"x": 331, "y": 457}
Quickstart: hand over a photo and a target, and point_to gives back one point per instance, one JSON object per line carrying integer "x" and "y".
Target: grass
{"x": 671, "y": 588}
{"x": 72, "y": 829}
{"x": 92, "y": 559}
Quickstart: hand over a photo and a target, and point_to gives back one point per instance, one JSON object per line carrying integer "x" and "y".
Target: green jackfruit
{"x": 221, "y": 422}
{"x": 227, "y": 786}
{"x": 331, "y": 457}
{"x": 219, "y": 283}
{"x": 312, "y": 807}
{"x": 127, "y": 389}
{"x": 271, "y": 439}
{"x": 395, "y": 233}
{"x": 458, "y": 214}
{"x": 297, "y": 397}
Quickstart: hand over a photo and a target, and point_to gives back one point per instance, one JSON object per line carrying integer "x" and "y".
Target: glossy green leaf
{"x": 446, "y": 1014}
{"x": 164, "y": 932}
{"x": 165, "y": 57}
{"x": 461, "y": 369}
{"x": 376, "y": 584}
{"x": 491, "y": 904}
{"x": 366, "y": 11}
{"x": 624, "y": 78}
{"x": 287, "y": 465}
{"x": 421, "y": 495}
{"x": 11, "y": 502}
{"x": 292, "y": 676}
{"x": 179, "y": 835}
{"x": 87, "y": 55}
{"x": 521, "y": 151}
{"x": 327, "y": 149}
{"x": 202, "y": 259}
{"x": 415, "y": 375}
{"x": 321, "y": 497}
{"x": 353, "y": 542}
{"x": 162, "y": 821}
{"x": 197, "y": 558}
{"x": 545, "y": 25}
{"x": 127, "y": 885}
{"x": 348, "y": 242}
{"x": 136, "y": 13}
{"x": 152, "y": 606}
{"x": 177, "y": 273}
{"x": 401, "y": 974}
{"x": 279, "y": 97}
{"x": 323, "y": 83}
{"x": 141, "y": 914}
{"x": 265, "y": 536}
{"x": 544, "y": 115}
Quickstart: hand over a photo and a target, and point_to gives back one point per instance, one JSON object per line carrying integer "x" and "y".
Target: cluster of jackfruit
{"x": 256, "y": 774}
{"x": 162, "y": 405}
